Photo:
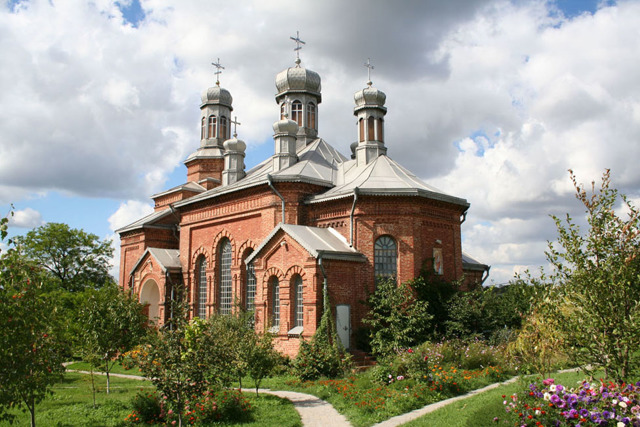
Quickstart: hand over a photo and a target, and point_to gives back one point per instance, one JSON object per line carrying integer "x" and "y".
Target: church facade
{"x": 307, "y": 219}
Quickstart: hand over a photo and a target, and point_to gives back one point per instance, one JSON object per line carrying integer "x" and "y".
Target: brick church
{"x": 272, "y": 238}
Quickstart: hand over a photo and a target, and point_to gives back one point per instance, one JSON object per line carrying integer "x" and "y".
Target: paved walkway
{"x": 315, "y": 412}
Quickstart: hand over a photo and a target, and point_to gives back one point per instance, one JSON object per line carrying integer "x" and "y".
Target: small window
{"x": 380, "y": 134}
{"x": 385, "y": 258}
{"x": 311, "y": 115}
{"x": 370, "y": 129}
{"x": 361, "y": 129}
{"x": 224, "y": 263}
{"x": 275, "y": 303}
{"x": 283, "y": 110}
{"x": 250, "y": 290}
{"x": 212, "y": 126}
{"x": 223, "y": 128}
{"x": 298, "y": 314}
{"x": 201, "y": 279}
{"x": 296, "y": 112}
{"x": 203, "y": 128}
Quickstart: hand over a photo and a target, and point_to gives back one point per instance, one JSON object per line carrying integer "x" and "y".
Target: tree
{"x": 111, "y": 323}
{"x": 76, "y": 259}
{"x": 398, "y": 320}
{"x": 30, "y": 352}
{"x": 262, "y": 359}
{"x": 598, "y": 276}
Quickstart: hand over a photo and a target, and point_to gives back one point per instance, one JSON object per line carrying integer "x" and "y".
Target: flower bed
{"x": 602, "y": 403}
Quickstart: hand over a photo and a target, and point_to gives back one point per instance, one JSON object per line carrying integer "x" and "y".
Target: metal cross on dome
{"x": 218, "y": 72}
{"x": 369, "y": 68}
{"x": 298, "y": 47}
{"x": 235, "y": 123}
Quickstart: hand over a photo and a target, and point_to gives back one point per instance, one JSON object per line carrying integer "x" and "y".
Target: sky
{"x": 489, "y": 100}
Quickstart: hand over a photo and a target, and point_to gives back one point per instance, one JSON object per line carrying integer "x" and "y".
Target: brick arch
{"x": 216, "y": 243}
{"x": 247, "y": 244}
{"x": 196, "y": 254}
{"x": 292, "y": 271}
{"x": 272, "y": 271}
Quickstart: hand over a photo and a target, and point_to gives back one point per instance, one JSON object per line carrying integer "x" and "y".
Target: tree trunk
{"x": 106, "y": 366}
{"x": 32, "y": 411}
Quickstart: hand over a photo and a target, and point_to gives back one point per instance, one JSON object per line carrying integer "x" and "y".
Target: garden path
{"x": 313, "y": 411}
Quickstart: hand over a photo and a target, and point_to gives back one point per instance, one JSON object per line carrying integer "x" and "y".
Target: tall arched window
{"x": 298, "y": 313}
{"x": 311, "y": 115}
{"x": 223, "y": 128}
{"x": 380, "y": 134}
{"x": 224, "y": 275}
{"x": 212, "y": 126}
{"x": 296, "y": 112}
{"x": 370, "y": 129}
{"x": 203, "y": 128}
{"x": 385, "y": 258}
{"x": 275, "y": 303}
{"x": 361, "y": 129}
{"x": 201, "y": 279}
{"x": 283, "y": 110}
{"x": 250, "y": 284}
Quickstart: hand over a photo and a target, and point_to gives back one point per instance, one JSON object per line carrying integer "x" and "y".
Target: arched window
{"x": 361, "y": 129}
{"x": 298, "y": 313}
{"x": 250, "y": 284}
{"x": 311, "y": 115}
{"x": 385, "y": 258}
{"x": 212, "y": 126}
{"x": 203, "y": 128}
{"x": 223, "y": 128}
{"x": 283, "y": 110}
{"x": 224, "y": 276}
{"x": 296, "y": 112}
{"x": 380, "y": 134}
{"x": 275, "y": 303}
{"x": 370, "y": 129}
{"x": 201, "y": 280}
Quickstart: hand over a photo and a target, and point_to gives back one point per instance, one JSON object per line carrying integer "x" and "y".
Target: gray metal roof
{"x": 167, "y": 259}
{"x": 189, "y": 186}
{"x": 471, "y": 263}
{"x": 325, "y": 242}
{"x": 383, "y": 177}
{"x": 318, "y": 164}
{"x": 146, "y": 221}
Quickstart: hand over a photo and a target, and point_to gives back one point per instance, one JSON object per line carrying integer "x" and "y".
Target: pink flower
{"x": 548, "y": 381}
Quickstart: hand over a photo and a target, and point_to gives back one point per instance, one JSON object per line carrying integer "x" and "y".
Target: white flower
{"x": 552, "y": 388}
{"x": 622, "y": 404}
{"x": 546, "y": 396}
{"x": 614, "y": 401}
{"x": 620, "y": 424}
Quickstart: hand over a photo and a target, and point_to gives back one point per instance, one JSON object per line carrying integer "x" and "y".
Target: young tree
{"x": 598, "y": 273}
{"x": 76, "y": 259}
{"x": 30, "y": 353}
{"x": 111, "y": 323}
{"x": 262, "y": 359}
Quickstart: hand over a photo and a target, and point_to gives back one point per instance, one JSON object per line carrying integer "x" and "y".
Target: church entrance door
{"x": 150, "y": 298}
{"x": 343, "y": 324}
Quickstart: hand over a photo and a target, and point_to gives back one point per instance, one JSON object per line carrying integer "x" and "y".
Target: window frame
{"x": 202, "y": 287}
{"x": 386, "y": 256}
{"x": 225, "y": 280}
{"x": 297, "y": 111}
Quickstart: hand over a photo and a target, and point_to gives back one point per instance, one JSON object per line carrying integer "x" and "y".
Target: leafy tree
{"x": 111, "y": 324}
{"x": 30, "y": 352}
{"x": 398, "y": 320}
{"x": 598, "y": 274}
{"x": 262, "y": 359}
{"x": 76, "y": 259}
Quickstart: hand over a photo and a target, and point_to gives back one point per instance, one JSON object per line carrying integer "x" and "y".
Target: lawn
{"x": 117, "y": 368}
{"x": 71, "y": 405}
{"x": 481, "y": 409}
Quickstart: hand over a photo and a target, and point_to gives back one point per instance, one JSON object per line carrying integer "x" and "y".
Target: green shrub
{"x": 147, "y": 409}
{"x": 218, "y": 406}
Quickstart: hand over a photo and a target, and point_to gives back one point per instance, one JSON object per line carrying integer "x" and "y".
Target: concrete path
{"x": 313, "y": 411}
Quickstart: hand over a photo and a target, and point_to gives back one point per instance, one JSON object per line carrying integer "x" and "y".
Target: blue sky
{"x": 488, "y": 100}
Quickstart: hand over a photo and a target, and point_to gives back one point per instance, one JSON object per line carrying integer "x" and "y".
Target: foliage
{"x": 437, "y": 293}
{"x": 323, "y": 355}
{"x": 591, "y": 403}
{"x": 598, "y": 275}
{"x": 262, "y": 359}
{"x": 76, "y": 259}
{"x": 111, "y": 324}
{"x": 398, "y": 320}
{"x": 30, "y": 350}
{"x": 148, "y": 408}
{"x": 490, "y": 313}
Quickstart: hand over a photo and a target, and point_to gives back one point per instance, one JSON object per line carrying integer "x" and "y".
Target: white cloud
{"x": 26, "y": 218}
{"x": 129, "y": 212}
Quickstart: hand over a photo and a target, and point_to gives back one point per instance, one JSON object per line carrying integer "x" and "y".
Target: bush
{"x": 218, "y": 406}
{"x": 147, "y": 409}
{"x": 315, "y": 361}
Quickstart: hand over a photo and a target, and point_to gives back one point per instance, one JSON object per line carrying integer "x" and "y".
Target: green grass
{"x": 481, "y": 409}
{"x": 71, "y": 405}
{"x": 117, "y": 368}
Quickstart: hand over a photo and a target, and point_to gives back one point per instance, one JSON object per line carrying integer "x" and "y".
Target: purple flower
{"x": 554, "y": 399}
{"x": 559, "y": 388}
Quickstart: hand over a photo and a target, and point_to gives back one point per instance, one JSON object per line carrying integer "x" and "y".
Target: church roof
{"x": 147, "y": 221}
{"x": 319, "y": 242}
{"x": 383, "y": 177}
{"x": 317, "y": 164}
{"x": 471, "y": 263}
{"x": 189, "y": 186}
{"x": 167, "y": 259}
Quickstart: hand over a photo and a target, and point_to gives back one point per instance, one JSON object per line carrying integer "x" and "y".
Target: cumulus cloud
{"x": 489, "y": 100}
{"x": 127, "y": 213}
{"x": 26, "y": 218}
